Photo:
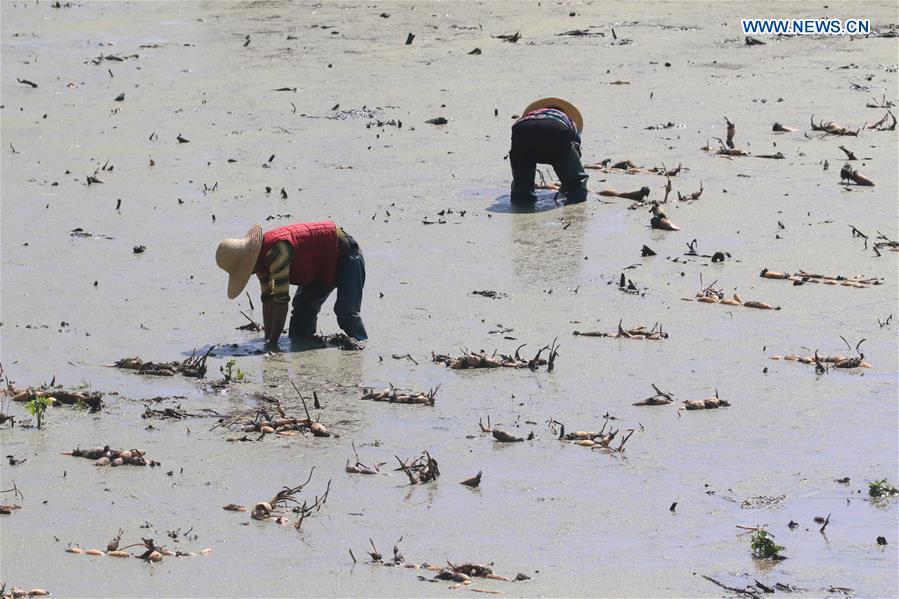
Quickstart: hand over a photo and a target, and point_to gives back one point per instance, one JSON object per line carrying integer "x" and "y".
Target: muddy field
{"x": 303, "y": 112}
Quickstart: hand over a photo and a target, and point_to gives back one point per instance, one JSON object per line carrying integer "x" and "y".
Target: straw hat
{"x": 567, "y": 107}
{"x": 238, "y": 258}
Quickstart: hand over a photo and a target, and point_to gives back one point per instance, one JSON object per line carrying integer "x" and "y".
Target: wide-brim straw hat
{"x": 564, "y": 105}
{"x": 238, "y": 258}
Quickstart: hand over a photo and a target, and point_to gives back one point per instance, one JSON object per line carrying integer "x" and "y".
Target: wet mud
{"x": 136, "y": 136}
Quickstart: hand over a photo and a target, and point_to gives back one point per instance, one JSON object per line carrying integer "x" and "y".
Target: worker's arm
{"x": 276, "y": 324}
{"x": 275, "y": 306}
{"x": 265, "y": 284}
{"x": 267, "y": 311}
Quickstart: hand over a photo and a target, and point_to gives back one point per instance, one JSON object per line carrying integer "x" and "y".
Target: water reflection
{"x": 546, "y": 200}
{"x": 548, "y": 248}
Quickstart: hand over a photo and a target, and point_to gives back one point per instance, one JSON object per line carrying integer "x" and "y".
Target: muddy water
{"x": 578, "y": 522}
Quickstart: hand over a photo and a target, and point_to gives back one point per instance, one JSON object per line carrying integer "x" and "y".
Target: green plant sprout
{"x": 231, "y": 372}
{"x": 763, "y": 545}
{"x": 882, "y": 488}
{"x": 37, "y": 406}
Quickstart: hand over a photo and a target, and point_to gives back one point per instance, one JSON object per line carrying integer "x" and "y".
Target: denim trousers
{"x": 307, "y": 302}
{"x": 545, "y": 141}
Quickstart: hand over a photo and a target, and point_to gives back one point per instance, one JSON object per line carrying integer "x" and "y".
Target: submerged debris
{"x": 279, "y": 508}
{"x": 709, "y": 403}
{"x": 660, "y": 220}
{"x": 262, "y": 422}
{"x": 639, "y": 332}
{"x": 341, "y": 340}
{"x": 832, "y": 128}
{"x": 691, "y": 197}
{"x": 16, "y": 592}
{"x": 396, "y": 395}
{"x": 7, "y": 508}
{"x": 360, "y": 468}
{"x": 802, "y": 277}
{"x": 501, "y": 435}
{"x": 778, "y": 128}
{"x": 883, "y": 124}
{"x": 824, "y": 363}
{"x": 177, "y": 413}
{"x": 628, "y": 167}
{"x": 712, "y": 296}
{"x": 490, "y": 293}
{"x": 423, "y": 469}
{"x": 504, "y": 437}
{"x": 482, "y": 360}
{"x": 659, "y": 399}
{"x": 637, "y": 196}
{"x": 152, "y": 552}
{"x": 474, "y": 481}
{"x": 847, "y": 173}
{"x": 193, "y": 366}
{"x": 460, "y": 574}
{"x": 600, "y": 440}
{"x": 252, "y": 325}
{"x": 509, "y": 37}
{"x": 716, "y": 257}
{"x": 668, "y": 125}
{"x": 93, "y": 400}
{"x": 104, "y": 456}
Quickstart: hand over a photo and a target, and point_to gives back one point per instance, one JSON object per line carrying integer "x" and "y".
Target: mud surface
{"x": 579, "y": 522}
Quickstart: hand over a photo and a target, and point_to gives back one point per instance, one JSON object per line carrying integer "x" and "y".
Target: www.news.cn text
{"x": 806, "y": 26}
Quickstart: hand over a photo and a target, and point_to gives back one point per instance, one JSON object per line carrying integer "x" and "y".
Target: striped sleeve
{"x": 278, "y": 261}
{"x": 265, "y": 283}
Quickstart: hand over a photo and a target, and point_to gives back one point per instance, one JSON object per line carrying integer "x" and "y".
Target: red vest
{"x": 314, "y": 251}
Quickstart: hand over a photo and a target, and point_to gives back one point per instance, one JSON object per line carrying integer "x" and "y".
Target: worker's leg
{"x": 307, "y": 303}
{"x": 572, "y": 175}
{"x": 350, "y": 282}
{"x": 523, "y": 171}
{"x": 523, "y": 164}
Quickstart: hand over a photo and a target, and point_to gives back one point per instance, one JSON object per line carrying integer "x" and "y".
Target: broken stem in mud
{"x": 857, "y": 233}
{"x": 253, "y": 326}
{"x": 17, "y": 493}
{"x": 412, "y": 479}
{"x": 731, "y": 131}
{"x": 302, "y": 400}
{"x": 732, "y": 589}
{"x": 849, "y": 154}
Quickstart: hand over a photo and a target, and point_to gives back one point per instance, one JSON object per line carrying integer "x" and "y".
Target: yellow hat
{"x": 238, "y": 258}
{"x": 558, "y": 103}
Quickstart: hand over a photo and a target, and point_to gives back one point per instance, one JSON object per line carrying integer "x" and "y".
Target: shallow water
{"x": 578, "y": 522}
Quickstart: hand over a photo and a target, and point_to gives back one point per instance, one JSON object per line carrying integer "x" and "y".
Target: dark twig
{"x": 732, "y": 589}
{"x": 826, "y": 522}
{"x": 849, "y": 154}
{"x": 15, "y": 490}
{"x": 302, "y": 400}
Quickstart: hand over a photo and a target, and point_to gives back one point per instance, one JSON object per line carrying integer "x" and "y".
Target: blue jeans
{"x": 307, "y": 302}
